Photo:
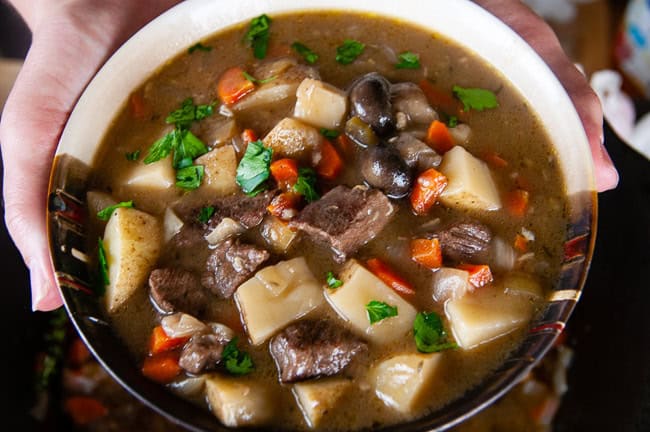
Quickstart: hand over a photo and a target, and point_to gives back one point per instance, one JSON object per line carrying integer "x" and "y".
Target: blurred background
{"x": 609, "y": 333}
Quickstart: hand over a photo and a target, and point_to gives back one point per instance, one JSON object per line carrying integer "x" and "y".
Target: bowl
{"x": 460, "y": 21}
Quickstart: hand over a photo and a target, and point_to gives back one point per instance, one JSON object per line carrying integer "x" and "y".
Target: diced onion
{"x": 504, "y": 255}
{"x": 221, "y": 330}
{"x": 181, "y": 325}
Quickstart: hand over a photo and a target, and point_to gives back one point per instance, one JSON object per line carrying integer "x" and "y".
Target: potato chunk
{"x": 359, "y": 288}
{"x": 238, "y": 402}
{"x": 267, "y": 304}
{"x": 172, "y": 224}
{"x": 400, "y": 381}
{"x": 220, "y": 170}
{"x": 158, "y": 175}
{"x": 487, "y": 314}
{"x": 132, "y": 240}
{"x": 320, "y": 104}
{"x": 294, "y": 139}
{"x": 318, "y": 397}
{"x": 470, "y": 186}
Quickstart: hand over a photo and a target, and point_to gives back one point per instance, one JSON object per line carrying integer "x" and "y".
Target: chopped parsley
{"x": 258, "y": 35}
{"x": 236, "y": 362}
{"x": 329, "y": 133}
{"x": 188, "y": 112}
{"x": 132, "y": 156}
{"x": 103, "y": 263}
{"x": 254, "y": 80}
{"x": 306, "y": 53}
{"x": 254, "y": 168}
{"x": 378, "y": 311}
{"x": 306, "y": 184}
{"x": 408, "y": 60}
{"x": 160, "y": 149}
{"x": 106, "y": 213}
{"x": 349, "y": 51}
{"x": 205, "y": 214}
{"x": 430, "y": 335}
{"x": 452, "y": 122}
{"x": 187, "y": 148}
{"x": 332, "y": 282}
{"x": 189, "y": 177}
{"x": 476, "y": 98}
{"x": 198, "y": 47}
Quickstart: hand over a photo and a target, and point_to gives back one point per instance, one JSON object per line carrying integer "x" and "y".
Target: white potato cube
{"x": 227, "y": 228}
{"x": 359, "y": 288}
{"x": 172, "y": 224}
{"x": 294, "y": 139}
{"x": 132, "y": 241}
{"x": 267, "y": 94}
{"x": 518, "y": 283}
{"x": 158, "y": 175}
{"x": 277, "y": 233}
{"x": 320, "y": 104}
{"x": 98, "y": 201}
{"x": 220, "y": 170}
{"x": 470, "y": 186}
{"x": 450, "y": 283}
{"x": 400, "y": 381}
{"x": 318, "y": 397}
{"x": 487, "y": 314}
{"x": 267, "y": 307}
{"x": 238, "y": 402}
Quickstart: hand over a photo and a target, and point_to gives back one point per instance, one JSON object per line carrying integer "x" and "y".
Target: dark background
{"x": 609, "y": 380}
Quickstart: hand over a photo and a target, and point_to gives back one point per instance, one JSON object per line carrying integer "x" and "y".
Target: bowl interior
{"x": 460, "y": 21}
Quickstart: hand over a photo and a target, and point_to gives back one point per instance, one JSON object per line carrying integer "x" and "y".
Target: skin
{"x": 68, "y": 48}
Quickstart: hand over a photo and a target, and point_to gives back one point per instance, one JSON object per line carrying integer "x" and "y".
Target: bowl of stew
{"x": 317, "y": 216}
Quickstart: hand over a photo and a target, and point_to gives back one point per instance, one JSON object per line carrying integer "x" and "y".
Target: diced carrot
{"x": 390, "y": 278}
{"x": 330, "y": 165}
{"x": 140, "y": 110}
{"x": 163, "y": 367}
{"x": 428, "y": 187}
{"x": 78, "y": 353}
{"x": 479, "y": 274}
{"x": 84, "y": 409}
{"x": 285, "y": 205}
{"x": 522, "y": 182}
{"x": 494, "y": 160}
{"x": 248, "y": 136}
{"x": 232, "y": 85}
{"x": 285, "y": 172}
{"x": 439, "y": 138}
{"x": 521, "y": 243}
{"x": 160, "y": 342}
{"x": 444, "y": 101}
{"x": 516, "y": 202}
{"x": 427, "y": 252}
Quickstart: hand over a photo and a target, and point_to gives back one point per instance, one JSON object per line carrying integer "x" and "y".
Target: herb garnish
{"x": 430, "y": 335}
{"x": 349, "y": 51}
{"x": 378, "y": 311}
{"x": 408, "y": 60}
{"x": 258, "y": 35}
{"x": 332, "y": 282}
{"x": 254, "y": 168}
{"x": 103, "y": 263}
{"x": 310, "y": 56}
{"x": 132, "y": 156}
{"x": 190, "y": 177}
{"x": 452, "y": 122}
{"x": 475, "y": 98}
{"x": 205, "y": 214}
{"x": 198, "y": 47}
{"x": 254, "y": 80}
{"x": 106, "y": 213}
{"x": 188, "y": 112}
{"x": 306, "y": 184}
{"x": 237, "y": 362}
{"x": 329, "y": 133}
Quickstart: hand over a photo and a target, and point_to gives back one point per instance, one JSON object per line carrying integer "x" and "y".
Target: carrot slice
{"x": 84, "y": 409}
{"x": 331, "y": 164}
{"x": 285, "y": 172}
{"x": 248, "y": 136}
{"x": 163, "y": 367}
{"x": 494, "y": 160}
{"x": 516, "y": 202}
{"x": 160, "y": 342}
{"x": 439, "y": 138}
{"x": 428, "y": 187}
{"x": 442, "y": 100}
{"x": 232, "y": 85}
{"x": 427, "y": 252}
{"x": 285, "y": 205}
{"x": 479, "y": 274}
{"x": 521, "y": 243}
{"x": 389, "y": 277}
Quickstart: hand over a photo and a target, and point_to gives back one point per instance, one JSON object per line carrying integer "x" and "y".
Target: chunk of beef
{"x": 311, "y": 348}
{"x": 345, "y": 218}
{"x": 229, "y": 265}
{"x": 465, "y": 241}
{"x": 202, "y": 352}
{"x": 189, "y": 236}
{"x": 174, "y": 289}
{"x": 249, "y": 211}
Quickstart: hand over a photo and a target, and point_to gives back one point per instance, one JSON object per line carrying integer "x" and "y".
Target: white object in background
{"x": 8, "y": 72}
{"x": 561, "y": 11}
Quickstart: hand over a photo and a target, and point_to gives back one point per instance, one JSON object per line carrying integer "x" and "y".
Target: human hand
{"x": 544, "y": 41}
{"x": 70, "y": 41}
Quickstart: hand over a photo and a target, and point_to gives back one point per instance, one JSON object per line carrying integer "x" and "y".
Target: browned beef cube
{"x": 310, "y": 349}
{"x": 249, "y": 211}
{"x": 465, "y": 241}
{"x": 202, "y": 353}
{"x": 229, "y": 265}
{"x": 174, "y": 289}
{"x": 345, "y": 218}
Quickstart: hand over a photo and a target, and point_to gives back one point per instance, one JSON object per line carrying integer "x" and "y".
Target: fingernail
{"x": 45, "y": 296}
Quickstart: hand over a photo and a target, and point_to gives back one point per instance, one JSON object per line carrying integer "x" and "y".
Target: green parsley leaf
{"x": 306, "y": 184}
{"x": 132, "y": 156}
{"x": 430, "y": 335}
{"x": 254, "y": 80}
{"x": 205, "y": 214}
{"x": 476, "y": 98}
{"x": 452, "y": 122}
{"x": 329, "y": 133}
{"x": 408, "y": 60}
{"x": 188, "y": 112}
{"x": 198, "y": 47}
{"x": 378, "y": 311}
{"x": 258, "y": 35}
{"x": 332, "y": 282}
{"x": 237, "y": 362}
{"x": 189, "y": 178}
{"x": 106, "y": 213}
{"x": 306, "y": 53}
{"x": 103, "y": 263}
{"x": 254, "y": 168}
{"x": 349, "y": 51}
{"x": 160, "y": 149}
{"x": 187, "y": 148}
